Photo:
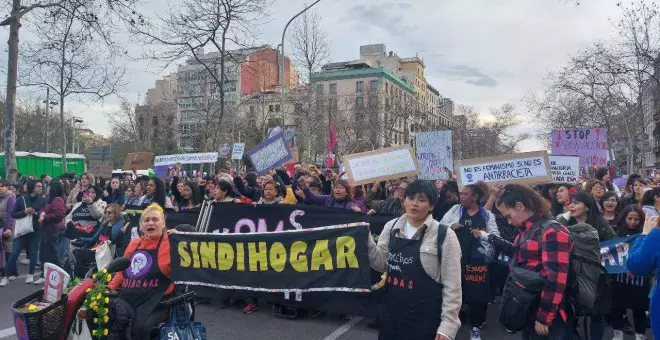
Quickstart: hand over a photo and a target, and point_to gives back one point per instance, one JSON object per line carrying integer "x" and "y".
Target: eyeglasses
{"x": 109, "y": 212}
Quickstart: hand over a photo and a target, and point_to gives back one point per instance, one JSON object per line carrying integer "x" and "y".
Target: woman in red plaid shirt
{"x": 525, "y": 208}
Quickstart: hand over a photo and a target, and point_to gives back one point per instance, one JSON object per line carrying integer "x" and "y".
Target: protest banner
{"x": 237, "y": 151}
{"x": 565, "y": 169}
{"x": 295, "y": 157}
{"x": 270, "y": 154}
{"x": 224, "y": 150}
{"x": 434, "y": 154}
{"x": 138, "y": 161}
{"x": 589, "y": 144}
{"x": 187, "y": 158}
{"x": 100, "y": 168}
{"x": 520, "y": 168}
{"x": 614, "y": 254}
{"x": 325, "y": 259}
{"x": 380, "y": 165}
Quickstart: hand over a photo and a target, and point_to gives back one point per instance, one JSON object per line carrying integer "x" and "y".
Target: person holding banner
{"x": 630, "y": 291}
{"x": 644, "y": 260}
{"x": 422, "y": 297}
{"x": 341, "y": 196}
{"x": 472, "y": 225}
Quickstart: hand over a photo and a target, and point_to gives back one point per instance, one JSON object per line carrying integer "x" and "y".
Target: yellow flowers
{"x": 94, "y": 276}
{"x": 32, "y": 308}
{"x": 88, "y": 290}
{"x": 108, "y": 277}
{"x": 107, "y": 300}
{"x": 94, "y": 332}
{"x": 96, "y": 300}
{"x": 106, "y": 318}
{"x": 105, "y": 331}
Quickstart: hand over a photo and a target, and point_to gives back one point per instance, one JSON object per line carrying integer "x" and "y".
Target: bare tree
{"x": 18, "y": 9}
{"x": 310, "y": 47}
{"x": 192, "y": 26}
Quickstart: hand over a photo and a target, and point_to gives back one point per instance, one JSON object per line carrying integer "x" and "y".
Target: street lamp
{"x": 74, "y": 120}
{"x": 282, "y": 84}
{"x": 48, "y": 103}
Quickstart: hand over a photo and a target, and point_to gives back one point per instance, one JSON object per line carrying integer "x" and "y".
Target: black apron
{"x": 412, "y": 303}
{"x": 474, "y": 269}
{"x": 82, "y": 223}
{"x": 144, "y": 285}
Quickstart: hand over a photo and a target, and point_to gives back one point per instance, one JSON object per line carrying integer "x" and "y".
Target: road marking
{"x": 343, "y": 329}
{"x": 5, "y": 333}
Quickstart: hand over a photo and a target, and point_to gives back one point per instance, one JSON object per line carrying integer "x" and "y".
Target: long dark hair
{"x": 621, "y": 225}
{"x": 649, "y": 196}
{"x": 592, "y": 209}
{"x": 159, "y": 195}
{"x": 513, "y": 194}
{"x": 477, "y": 191}
{"x": 56, "y": 190}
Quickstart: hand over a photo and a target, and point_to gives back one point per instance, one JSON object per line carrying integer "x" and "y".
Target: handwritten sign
{"x": 380, "y": 165}
{"x": 100, "y": 168}
{"x": 565, "y": 169}
{"x": 187, "y": 158}
{"x": 237, "y": 151}
{"x": 434, "y": 154}
{"x": 270, "y": 154}
{"x": 476, "y": 274}
{"x": 521, "y": 168}
{"x": 224, "y": 150}
{"x": 295, "y": 156}
{"x": 138, "y": 161}
{"x": 589, "y": 144}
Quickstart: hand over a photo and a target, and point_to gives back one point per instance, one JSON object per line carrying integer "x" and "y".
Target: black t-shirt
{"x": 464, "y": 234}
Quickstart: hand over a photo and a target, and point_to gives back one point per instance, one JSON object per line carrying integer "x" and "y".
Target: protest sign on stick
{"x": 434, "y": 154}
{"x": 138, "y": 161}
{"x": 381, "y": 165}
{"x": 270, "y": 154}
{"x": 520, "y": 168}
{"x": 589, "y": 144}
{"x": 565, "y": 169}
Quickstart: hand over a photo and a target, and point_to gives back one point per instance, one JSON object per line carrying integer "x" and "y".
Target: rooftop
{"x": 334, "y": 72}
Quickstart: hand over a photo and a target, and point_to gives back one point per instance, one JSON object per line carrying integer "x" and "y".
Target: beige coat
{"x": 446, "y": 272}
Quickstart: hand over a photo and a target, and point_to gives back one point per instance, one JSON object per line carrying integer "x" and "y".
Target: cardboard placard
{"x": 270, "y": 154}
{"x": 138, "y": 160}
{"x": 519, "y": 168}
{"x": 237, "y": 151}
{"x": 434, "y": 154}
{"x": 380, "y": 165}
{"x": 295, "y": 155}
{"x": 565, "y": 169}
{"x": 589, "y": 144}
{"x": 100, "y": 168}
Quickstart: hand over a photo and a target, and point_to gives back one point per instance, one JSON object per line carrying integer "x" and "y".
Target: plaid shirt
{"x": 553, "y": 256}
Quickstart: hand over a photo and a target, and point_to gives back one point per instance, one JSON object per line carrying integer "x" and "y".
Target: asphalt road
{"x": 233, "y": 324}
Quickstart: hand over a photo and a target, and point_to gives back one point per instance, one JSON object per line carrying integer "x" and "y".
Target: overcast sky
{"x": 478, "y": 52}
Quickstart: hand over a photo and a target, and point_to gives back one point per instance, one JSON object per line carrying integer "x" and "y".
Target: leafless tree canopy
{"x": 309, "y": 44}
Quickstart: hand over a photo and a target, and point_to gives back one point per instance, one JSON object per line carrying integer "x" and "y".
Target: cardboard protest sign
{"x": 295, "y": 156}
{"x": 224, "y": 150}
{"x": 324, "y": 259}
{"x": 138, "y": 160}
{"x": 100, "y": 168}
{"x": 270, "y": 154}
{"x": 381, "y": 165}
{"x": 520, "y": 168}
{"x": 237, "y": 151}
{"x": 565, "y": 169}
{"x": 188, "y": 158}
{"x": 434, "y": 154}
{"x": 589, "y": 144}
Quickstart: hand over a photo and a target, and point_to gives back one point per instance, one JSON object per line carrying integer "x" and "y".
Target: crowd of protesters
{"x": 482, "y": 221}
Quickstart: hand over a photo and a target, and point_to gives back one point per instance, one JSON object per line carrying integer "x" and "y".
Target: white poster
{"x": 434, "y": 154}
{"x": 224, "y": 150}
{"x": 188, "y": 158}
{"x": 565, "y": 169}
{"x": 522, "y": 168}
{"x": 237, "y": 151}
{"x": 380, "y": 165}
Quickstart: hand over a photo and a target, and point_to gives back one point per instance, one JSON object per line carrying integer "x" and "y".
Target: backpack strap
{"x": 442, "y": 233}
{"x": 538, "y": 236}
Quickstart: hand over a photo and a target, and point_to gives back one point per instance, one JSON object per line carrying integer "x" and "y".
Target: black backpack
{"x": 584, "y": 265}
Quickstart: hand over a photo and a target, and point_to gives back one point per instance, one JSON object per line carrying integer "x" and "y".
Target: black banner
{"x": 329, "y": 259}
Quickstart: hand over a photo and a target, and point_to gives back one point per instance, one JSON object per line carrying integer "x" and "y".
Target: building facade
{"x": 156, "y": 120}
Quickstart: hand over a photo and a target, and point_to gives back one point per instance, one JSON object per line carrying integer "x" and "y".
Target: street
{"x": 232, "y": 323}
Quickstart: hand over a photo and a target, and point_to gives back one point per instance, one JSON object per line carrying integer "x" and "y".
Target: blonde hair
{"x": 153, "y": 206}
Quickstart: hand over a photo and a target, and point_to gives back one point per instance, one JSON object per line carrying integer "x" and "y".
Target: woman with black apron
{"x": 422, "y": 295}
{"x": 144, "y": 283}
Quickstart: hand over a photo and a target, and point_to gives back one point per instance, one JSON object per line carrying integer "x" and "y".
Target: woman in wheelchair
{"x": 142, "y": 286}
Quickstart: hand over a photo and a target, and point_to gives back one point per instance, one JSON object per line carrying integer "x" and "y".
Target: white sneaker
{"x": 640, "y": 337}
{"x": 24, "y": 261}
{"x": 4, "y": 282}
{"x": 39, "y": 281}
{"x": 618, "y": 335}
{"x": 29, "y": 279}
{"x": 13, "y": 278}
{"x": 475, "y": 334}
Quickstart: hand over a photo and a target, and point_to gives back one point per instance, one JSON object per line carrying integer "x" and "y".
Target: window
{"x": 359, "y": 102}
{"x": 251, "y": 109}
{"x": 332, "y": 102}
{"x": 387, "y": 87}
{"x": 154, "y": 121}
{"x": 277, "y": 108}
{"x": 333, "y": 88}
{"x": 373, "y": 86}
{"x": 387, "y": 103}
{"x": 271, "y": 108}
{"x": 359, "y": 87}
{"x": 297, "y": 108}
{"x": 319, "y": 90}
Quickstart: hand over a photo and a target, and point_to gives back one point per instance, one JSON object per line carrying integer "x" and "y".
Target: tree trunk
{"x": 10, "y": 103}
{"x": 63, "y": 128}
